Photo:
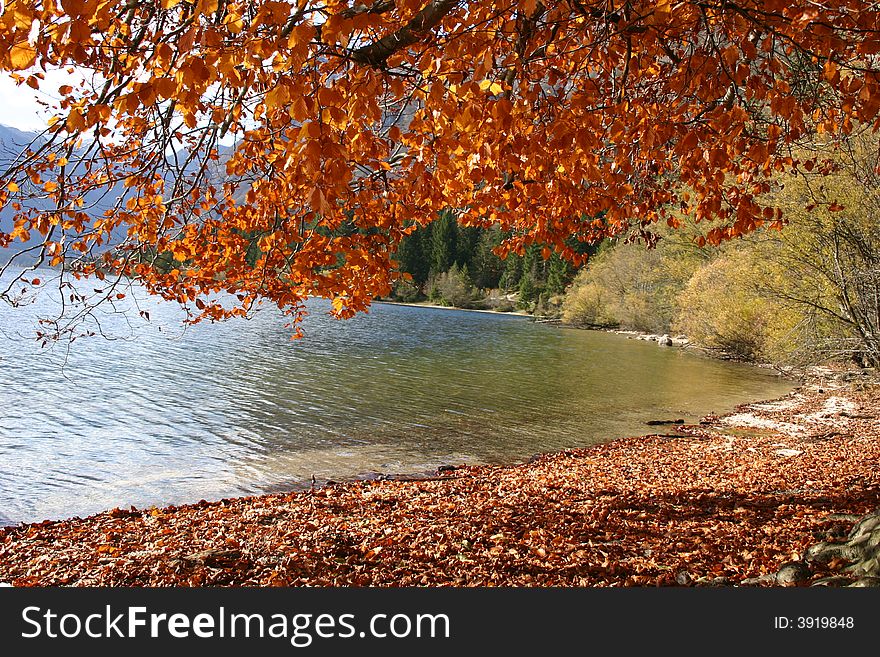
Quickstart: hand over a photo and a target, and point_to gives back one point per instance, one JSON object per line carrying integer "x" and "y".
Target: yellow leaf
{"x": 75, "y": 121}
{"x": 22, "y": 56}
{"x": 12, "y": 187}
{"x": 233, "y": 23}
{"x": 491, "y": 87}
{"x": 277, "y": 97}
{"x": 207, "y": 6}
{"x": 23, "y": 16}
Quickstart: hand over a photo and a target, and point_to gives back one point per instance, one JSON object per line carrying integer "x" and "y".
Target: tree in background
{"x": 723, "y": 306}
{"x": 802, "y": 294}
{"x": 559, "y": 275}
{"x": 426, "y": 255}
{"x": 453, "y": 288}
{"x": 486, "y": 266}
{"x": 414, "y": 257}
{"x": 560, "y": 122}
{"x": 444, "y": 237}
{"x": 630, "y": 286}
{"x": 826, "y": 263}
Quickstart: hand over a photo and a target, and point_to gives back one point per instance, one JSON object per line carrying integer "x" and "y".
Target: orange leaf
{"x": 319, "y": 201}
{"x": 22, "y": 56}
{"x": 165, "y": 87}
{"x": 75, "y": 121}
{"x": 277, "y": 97}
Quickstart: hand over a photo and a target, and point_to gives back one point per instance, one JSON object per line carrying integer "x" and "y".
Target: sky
{"x": 19, "y": 107}
{"x": 18, "y": 103}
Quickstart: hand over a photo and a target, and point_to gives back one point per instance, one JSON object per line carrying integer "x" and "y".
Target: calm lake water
{"x": 161, "y": 415}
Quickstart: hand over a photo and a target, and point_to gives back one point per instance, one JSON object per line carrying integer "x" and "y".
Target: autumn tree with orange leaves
{"x": 561, "y": 122}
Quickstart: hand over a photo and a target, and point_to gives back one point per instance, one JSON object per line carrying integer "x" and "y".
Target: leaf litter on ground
{"x": 725, "y": 501}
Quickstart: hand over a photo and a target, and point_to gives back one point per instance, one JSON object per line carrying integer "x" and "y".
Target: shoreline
{"x": 425, "y": 304}
{"x": 730, "y": 500}
{"x": 799, "y": 374}
{"x": 679, "y": 342}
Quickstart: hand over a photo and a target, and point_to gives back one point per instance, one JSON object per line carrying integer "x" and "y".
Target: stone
{"x": 664, "y": 341}
{"x": 793, "y": 573}
{"x": 769, "y": 578}
{"x": 865, "y": 582}
{"x": 835, "y": 580}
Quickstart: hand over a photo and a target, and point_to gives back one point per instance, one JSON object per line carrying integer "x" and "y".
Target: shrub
{"x": 452, "y": 288}
{"x": 633, "y": 287}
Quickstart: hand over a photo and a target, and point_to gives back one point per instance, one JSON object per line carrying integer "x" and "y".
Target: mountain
{"x": 14, "y": 141}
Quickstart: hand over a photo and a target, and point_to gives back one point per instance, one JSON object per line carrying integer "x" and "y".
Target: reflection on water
{"x": 166, "y": 416}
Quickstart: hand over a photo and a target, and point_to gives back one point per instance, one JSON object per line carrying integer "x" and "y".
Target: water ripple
{"x": 239, "y": 408}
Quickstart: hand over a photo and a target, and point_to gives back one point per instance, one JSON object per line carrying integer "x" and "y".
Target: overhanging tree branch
{"x": 378, "y": 52}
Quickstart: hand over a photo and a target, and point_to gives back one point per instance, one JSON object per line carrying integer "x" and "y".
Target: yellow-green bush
{"x": 723, "y": 307}
{"x": 633, "y": 287}
{"x": 804, "y": 294}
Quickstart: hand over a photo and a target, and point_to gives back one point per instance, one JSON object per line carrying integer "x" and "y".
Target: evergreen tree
{"x": 533, "y": 263}
{"x": 528, "y": 291}
{"x": 559, "y": 273}
{"x": 412, "y": 257}
{"x": 487, "y": 267}
{"x": 443, "y": 243}
{"x": 441, "y": 252}
{"x": 466, "y": 245}
{"x": 513, "y": 268}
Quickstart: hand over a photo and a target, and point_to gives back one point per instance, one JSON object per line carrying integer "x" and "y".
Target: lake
{"x": 161, "y": 415}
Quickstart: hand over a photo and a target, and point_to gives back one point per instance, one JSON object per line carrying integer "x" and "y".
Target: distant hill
{"x": 14, "y": 141}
